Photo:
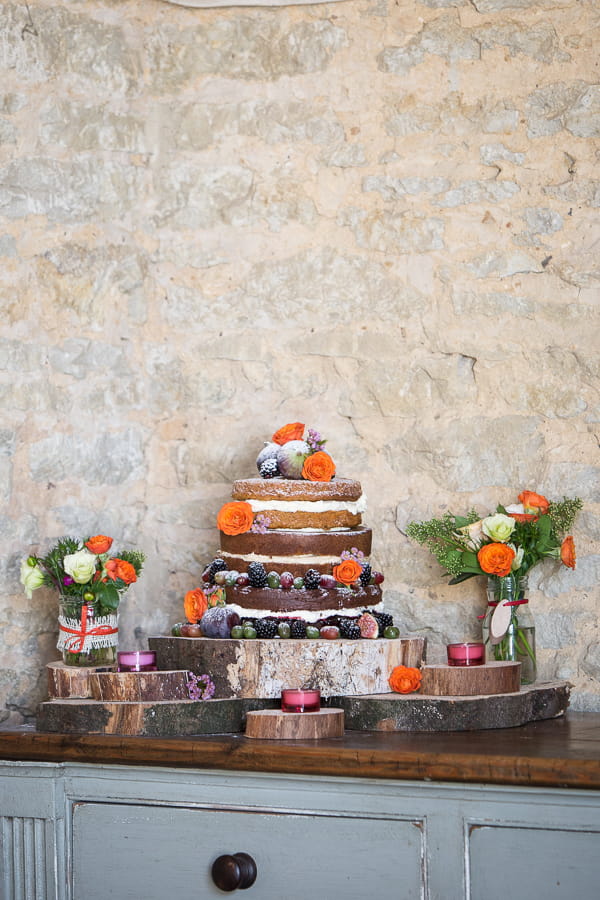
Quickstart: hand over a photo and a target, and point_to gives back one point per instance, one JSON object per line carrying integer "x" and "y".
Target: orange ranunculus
{"x": 120, "y": 568}
{"x": 347, "y": 571}
{"x": 534, "y": 503}
{"x": 496, "y": 558}
{"x": 318, "y": 466}
{"x": 405, "y": 679}
{"x": 195, "y": 605}
{"x": 100, "y": 543}
{"x": 567, "y": 552}
{"x": 235, "y": 517}
{"x": 291, "y": 432}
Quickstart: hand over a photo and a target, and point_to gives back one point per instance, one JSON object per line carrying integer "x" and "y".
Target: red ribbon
{"x": 75, "y": 643}
{"x": 506, "y": 603}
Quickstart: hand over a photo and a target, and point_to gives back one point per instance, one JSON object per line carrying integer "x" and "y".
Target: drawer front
{"x": 553, "y": 864}
{"x": 158, "y": 852}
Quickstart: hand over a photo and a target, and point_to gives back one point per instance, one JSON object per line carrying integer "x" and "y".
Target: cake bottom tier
{"x": 262, "y": 668}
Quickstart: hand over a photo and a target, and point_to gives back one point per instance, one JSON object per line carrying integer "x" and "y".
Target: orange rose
{"x": 567, "y": 552}
{"x": 318, "y": 466}
{"x": 347, "y": 571}
{"x": 235, "y": 517}
{"x": 405, "y": 680}
{"x": 496, "y": 559}
{"x": 292, "y": 432}
{"x": 195, "y": 605}
{"x": 99, "y": 544}
{"x": 120, "y": 568}
{"x": 534, "y": 503}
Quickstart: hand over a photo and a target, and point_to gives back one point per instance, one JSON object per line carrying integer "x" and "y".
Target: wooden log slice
{"x": 139, "y": 686}
{"x": 471, "y": 681}
{"x": 71, "y": 681}
{"x": 274, "y": 724}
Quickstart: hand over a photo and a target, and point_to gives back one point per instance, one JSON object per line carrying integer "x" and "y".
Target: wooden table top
{"x": 562, "y": 752}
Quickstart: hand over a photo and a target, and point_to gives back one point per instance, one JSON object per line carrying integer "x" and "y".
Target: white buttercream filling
{"x": 312, "y": 615}
{"x": 355, "y": 507}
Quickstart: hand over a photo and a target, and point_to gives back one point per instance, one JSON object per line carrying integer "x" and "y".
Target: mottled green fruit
{"x": 284, "y": 630}
{"x": 273, "y": 579}
{"x": 249, "y": 631}
{"x": 176, "y": 629}
{"x": 298, "y": 583}
{"x": 312, "y": 632}
{"x": 237, "y": 632}
{"x": 391, "y": 632}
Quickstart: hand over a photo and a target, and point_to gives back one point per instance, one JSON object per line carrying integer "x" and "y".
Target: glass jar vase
{"x": 85, "y": 637}
{"x": 517, "y": 643}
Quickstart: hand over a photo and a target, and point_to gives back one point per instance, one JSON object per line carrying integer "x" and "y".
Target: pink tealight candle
{"x": 137, "y": 661}
{"x": 300, "y": 700}
{"x": 467, "y": 654}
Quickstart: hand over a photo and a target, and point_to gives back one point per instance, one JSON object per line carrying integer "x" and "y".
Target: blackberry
{"x": 266, "y": 628}
{"x": 365, "y": 575}
{"x": 333, "y": 620}
{"x": 269, "y": 468}
{"x": 383, "y": 620}
{"x": 312, "y": 579}
{"x": 298, "y": 628}
{"x": 257, "y": 575}
{"x": 353, "y": 632}
{"x": 217, "y": 565}
{"x": 347, "y": 626}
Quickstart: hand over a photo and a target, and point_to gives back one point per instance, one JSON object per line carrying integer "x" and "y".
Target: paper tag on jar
{"x": 500, "y": 621}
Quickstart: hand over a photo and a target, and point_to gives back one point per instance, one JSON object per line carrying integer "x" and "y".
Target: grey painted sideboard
{"x": 73, "y": 830}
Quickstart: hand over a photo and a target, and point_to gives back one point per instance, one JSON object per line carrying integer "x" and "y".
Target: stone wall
{"x": 380, "y": 218}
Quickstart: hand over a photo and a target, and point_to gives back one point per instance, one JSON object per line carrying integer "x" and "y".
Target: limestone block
{"x": 261, "y": 668}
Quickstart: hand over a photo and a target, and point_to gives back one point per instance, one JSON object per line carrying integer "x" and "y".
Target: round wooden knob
{"x": 230, "y": 872}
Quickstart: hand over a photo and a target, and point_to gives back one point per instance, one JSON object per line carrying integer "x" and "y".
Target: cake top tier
{"x": 342, "y": 489}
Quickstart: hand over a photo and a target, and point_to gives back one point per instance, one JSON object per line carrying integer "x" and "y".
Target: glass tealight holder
{"x": 466, "y": 654}
{"x": 136, "y": 661}
{"x": 297, "y": 700}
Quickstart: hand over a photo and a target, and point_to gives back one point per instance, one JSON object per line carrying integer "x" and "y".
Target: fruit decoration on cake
{"x": 294, "y": 557}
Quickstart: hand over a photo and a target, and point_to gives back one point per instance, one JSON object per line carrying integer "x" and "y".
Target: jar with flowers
{"x": 89, "y": 583}
{"x": 504, "y": 546}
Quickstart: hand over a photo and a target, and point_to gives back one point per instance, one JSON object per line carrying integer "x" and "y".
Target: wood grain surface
{"x": 562, "y": 752}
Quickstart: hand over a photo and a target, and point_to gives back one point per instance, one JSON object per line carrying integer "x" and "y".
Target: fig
{"x": 291, "y": 458}
{"x": 218, "y": 621}
{"x": 369, "y": 626}
{"x": 269, "y": 451}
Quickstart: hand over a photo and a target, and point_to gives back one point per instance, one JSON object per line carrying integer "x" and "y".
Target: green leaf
{"x": 107, "y": 595}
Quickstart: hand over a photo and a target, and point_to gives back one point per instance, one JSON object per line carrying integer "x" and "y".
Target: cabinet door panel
{"x": 155, "y": 852}
{"x": 533, "y": 862}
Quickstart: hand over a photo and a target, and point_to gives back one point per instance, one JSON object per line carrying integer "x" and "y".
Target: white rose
{"x": 498, "y": 527}
{"x": 80, "y": 566}
{"x": 473, "y": 534}
{"x": 519, "y": 554}
{"x": 32, "y": 577}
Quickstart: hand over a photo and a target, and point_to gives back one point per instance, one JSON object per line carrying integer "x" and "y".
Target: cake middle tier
{"x": 294, "y": 551}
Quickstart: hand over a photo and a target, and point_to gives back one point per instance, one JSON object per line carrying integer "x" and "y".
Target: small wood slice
{"x": 274, "y": 724}
{"x": 471, "y": 681}
{"x": 139, "y": 686}
{"x": 71, "y": 681}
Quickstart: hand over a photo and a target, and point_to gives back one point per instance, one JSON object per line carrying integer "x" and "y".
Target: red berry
{"x": 377, "y": 577}
{"x": 328, "y": 582}
{"x": 189, "y": 629}
{"x": 242, "y": 580}
{"x": 330, "y": 632}
{"x": 286, "y": 580}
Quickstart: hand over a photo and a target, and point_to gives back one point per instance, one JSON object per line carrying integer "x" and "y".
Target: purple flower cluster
{"x": 260, "y": 524}
{"x": 314, "y": 440}
{"x": 356, "y": 554}
{"x": 200, "y": 687}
